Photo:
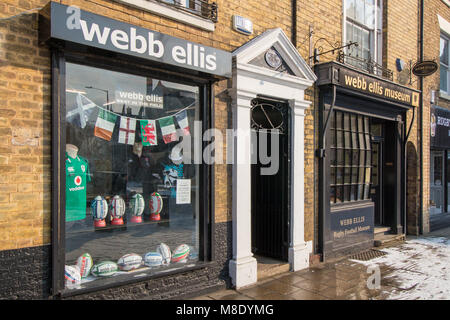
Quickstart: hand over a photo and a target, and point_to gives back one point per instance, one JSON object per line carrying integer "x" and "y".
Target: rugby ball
{"x": 84, "y": 263}
{"x": 117, "y": 207}
{"x": 164, "y": 250}
{"x": 180, "y": 253}
{"x": 156, "y": 203}
{"x": 129, "y": 262}
{"x": 99, "y": 208}
{"x": 104, "y": 269}
{"x": 137, "y": 204}
{"x": 153, "y": 259}
{"x": 72, "y": 274}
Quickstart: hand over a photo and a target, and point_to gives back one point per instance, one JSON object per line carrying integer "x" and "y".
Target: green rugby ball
{"x": 104, "y": 269}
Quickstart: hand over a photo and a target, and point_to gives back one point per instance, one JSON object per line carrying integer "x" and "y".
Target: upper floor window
{"x": 363, "y": 24}
{"x": 198, "y": 7}
{"x": 444, "y": 64}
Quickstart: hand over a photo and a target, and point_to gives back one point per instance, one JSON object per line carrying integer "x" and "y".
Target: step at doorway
{"x": 268, "y": 267}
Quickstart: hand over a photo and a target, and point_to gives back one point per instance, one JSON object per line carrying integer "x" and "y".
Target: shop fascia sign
{"x": 377, "y": 87}
{"x": 82, "y": 27}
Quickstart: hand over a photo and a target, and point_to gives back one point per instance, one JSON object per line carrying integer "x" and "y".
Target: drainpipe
{"x": 405, "y": 175}
{"x": 294, "y": 23}
{"x": 421, "y": 47}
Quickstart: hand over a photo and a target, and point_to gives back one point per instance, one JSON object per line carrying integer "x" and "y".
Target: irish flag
{"x": 168, "y": 129}
{"x": 104, "y": 126}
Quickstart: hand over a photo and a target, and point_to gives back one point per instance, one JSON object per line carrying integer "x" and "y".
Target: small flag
{"x": 104, "y": 126}
{"x": 168, "y": 129}
{"x": 82, "y": 110}
{"x": 148, "y": 132}
{"x": 127, "y": 130}
{"x": 182, "y": 120}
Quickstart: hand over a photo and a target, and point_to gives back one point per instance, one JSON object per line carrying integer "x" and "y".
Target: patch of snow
{"x": 419, "y": 269}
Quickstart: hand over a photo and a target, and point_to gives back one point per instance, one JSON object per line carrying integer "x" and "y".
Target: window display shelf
{"x": 88, "y": 229}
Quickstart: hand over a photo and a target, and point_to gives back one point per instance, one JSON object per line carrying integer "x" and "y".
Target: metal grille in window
{"x": 268, "y": 116}
{"x": 202, "y": 8}
{"x": 350, "y": 157}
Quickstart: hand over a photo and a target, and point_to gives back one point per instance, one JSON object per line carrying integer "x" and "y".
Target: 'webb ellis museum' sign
{"x": 377, "y": 87}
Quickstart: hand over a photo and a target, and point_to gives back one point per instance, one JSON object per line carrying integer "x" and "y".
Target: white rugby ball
{"x": 117, "y": 207}
{"x": 84, "y": 263}
{"x": 181, "y": 253}
{"x": 129, "y": 262}
{"x": 137, "y": 204}
{"x": 72, "y": 274}
{"x": 99, "y": 208}
{"x": 164, "y": 250}
{"x": 104, "y": 269}
{"x": 153, "y": 259}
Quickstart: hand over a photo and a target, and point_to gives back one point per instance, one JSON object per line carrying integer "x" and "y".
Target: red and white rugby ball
{"x": 85, "y": 263}
{"x": 156, "y": 203}
{"x": 129, "y": 262}
{"x": 72, "y": 274}
{"x": 181, "y": 253}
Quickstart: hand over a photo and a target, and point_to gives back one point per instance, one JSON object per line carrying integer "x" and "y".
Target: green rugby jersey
{"x": 77, "y": 175}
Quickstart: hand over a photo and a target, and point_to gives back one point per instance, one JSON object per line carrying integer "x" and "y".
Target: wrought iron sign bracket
{"x": 337, "y": 46}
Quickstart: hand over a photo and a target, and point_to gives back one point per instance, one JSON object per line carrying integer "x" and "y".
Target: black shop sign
{"x": 69, "y": 23}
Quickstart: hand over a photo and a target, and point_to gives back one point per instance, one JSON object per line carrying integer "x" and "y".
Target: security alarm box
{"x": 242, "y": 25}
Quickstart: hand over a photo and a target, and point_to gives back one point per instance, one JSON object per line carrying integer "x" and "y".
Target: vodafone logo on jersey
{"x": 77, "y": 180}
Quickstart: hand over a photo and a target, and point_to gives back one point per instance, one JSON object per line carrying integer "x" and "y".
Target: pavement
{"x": 414, "y": 269}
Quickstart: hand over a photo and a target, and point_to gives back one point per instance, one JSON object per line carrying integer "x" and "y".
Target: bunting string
{"x": 106, "y": 120}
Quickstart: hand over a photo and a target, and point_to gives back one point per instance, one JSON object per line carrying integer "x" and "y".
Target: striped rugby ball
{"x": 129, "y": 262}
{"x": 164, "y": 250}
{"x": 181, "y": 253}
{"x": 99, "y": 208}
{"x": 117, "y": 207}
{"x": 153, "y": 259}
{"x": 137, "y": 204}
{"x": 72, "y": 274}
{"x": 84, "y": 263}
{"x": 104, "y": 269}
{"x": 156, "y": 203}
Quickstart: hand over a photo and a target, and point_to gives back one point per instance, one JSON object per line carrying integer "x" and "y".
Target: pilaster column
{"x": 299, "y": 250}
{"x": 243, "y": 266}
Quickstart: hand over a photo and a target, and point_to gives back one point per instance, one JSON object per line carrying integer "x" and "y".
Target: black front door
{"x": 270, "y": 192}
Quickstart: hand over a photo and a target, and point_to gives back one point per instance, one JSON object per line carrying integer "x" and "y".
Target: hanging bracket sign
{"x": 424, "y": 68}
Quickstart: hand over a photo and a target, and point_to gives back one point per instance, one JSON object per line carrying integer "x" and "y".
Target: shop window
{"x": 363, "y": 24}
{"x": 350, "y": 157}
{"x": 131, "y": 203}
{"x": 444, "y": 64}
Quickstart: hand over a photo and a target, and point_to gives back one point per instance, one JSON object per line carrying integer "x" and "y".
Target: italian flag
{"x": 104, "y": 126}
{"x": 168, "y": 129}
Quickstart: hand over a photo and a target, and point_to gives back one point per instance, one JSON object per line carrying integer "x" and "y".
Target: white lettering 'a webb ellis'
{"x": 192, "y": 54}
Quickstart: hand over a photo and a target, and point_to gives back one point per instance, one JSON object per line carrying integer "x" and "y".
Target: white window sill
{"x": 171, "y": 13}
{"x": 444, "y": 95}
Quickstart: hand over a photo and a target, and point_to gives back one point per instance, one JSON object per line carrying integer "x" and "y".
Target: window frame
{"x": 168, "y": 10}
{"x": 348, "y": 145}
{"x": 206, "y": 221}
{"x": 375, "y": 33}
{"x": 445, "y": 37}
